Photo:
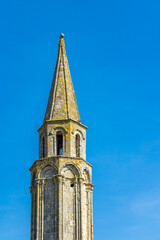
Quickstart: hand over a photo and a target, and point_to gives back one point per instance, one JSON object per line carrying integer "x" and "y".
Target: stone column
{"x": 76, "y": 210}
{"x": 91, "y": 209}
{"x": 88, "y": 212}
{"x": 56, "y": 185}
{"x": 81, "y": 209}
{"x": 37, "y": 208}
{"x": 33, "y": 190}
{"x": 60, "y": 207}
{"x": 41, "y": 208}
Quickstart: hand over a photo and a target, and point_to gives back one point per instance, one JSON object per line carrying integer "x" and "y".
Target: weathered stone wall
{"x": 68, "y": 211}
{"x": 63, "y": 210}
{"x": 69, "y": 130}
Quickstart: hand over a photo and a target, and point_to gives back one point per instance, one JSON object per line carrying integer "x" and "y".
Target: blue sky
{"x": 114, "y": 56}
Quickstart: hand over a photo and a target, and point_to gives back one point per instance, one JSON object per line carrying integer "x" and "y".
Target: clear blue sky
{"x": 113, "y": 48}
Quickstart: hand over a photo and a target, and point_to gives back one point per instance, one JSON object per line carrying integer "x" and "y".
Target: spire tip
{"x": 61, "y": 36}
{"x": 61, "y": 41}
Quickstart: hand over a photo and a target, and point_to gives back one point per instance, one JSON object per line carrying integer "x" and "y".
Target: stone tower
{"x": 61, "y": 179}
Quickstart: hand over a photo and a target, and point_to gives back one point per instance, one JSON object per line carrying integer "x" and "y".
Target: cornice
{"x": 55, "y": 158}
{"x": 61, "y": 121}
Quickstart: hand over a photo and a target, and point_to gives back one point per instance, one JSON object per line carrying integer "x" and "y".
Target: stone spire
{"x": 62, "y": 101}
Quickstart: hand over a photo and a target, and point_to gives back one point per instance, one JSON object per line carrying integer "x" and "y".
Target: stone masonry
{"x": 61, "y": 179}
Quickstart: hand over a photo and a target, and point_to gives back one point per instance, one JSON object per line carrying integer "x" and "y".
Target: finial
{"x": 61, "y": 42}
{"x": 61, "y": 36}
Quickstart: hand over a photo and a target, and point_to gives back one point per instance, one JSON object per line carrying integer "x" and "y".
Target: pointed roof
{"x": 62, "y": 101}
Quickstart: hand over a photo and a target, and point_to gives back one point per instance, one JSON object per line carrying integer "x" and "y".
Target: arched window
{"x": 43, "y": 147}
{"x": 59, "y": 143}
{"x": 78, "y": 146}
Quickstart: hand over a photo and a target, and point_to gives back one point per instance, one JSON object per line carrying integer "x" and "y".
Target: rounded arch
{"x": 42, "y": 134}
{"x": 48, "y": 171}
{"x": 78, "y": 145}
{"x": 61, "y": 129}
{"x": 77, "y": 131}
{"x": 59, "y": 141}
{"x": 69, "y": 170}
{"x": 86, "y": 175}
{"x": 43, "y": 141}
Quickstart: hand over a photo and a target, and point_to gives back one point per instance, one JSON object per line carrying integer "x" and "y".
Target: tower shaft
{"x": 61, "y": 179}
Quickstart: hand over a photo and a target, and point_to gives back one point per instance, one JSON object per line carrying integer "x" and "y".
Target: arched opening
{"x": 43, "y": 147}
{"x": 48, "y": 172}
{"x": 78, "y": 146}
{"x": 59, "y": 143}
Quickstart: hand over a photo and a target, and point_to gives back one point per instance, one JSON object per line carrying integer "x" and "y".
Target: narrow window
{"x": 43, "y": 147}
{"x": 77, "y": 145}
{"x": 59, "y": 143}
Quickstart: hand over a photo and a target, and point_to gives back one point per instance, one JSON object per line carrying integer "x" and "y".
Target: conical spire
{"x": 62, "y": 101}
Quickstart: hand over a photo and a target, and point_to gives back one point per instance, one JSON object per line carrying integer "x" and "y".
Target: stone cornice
{"x": 61, "y": 121}
{"x": 55, "y": 158}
